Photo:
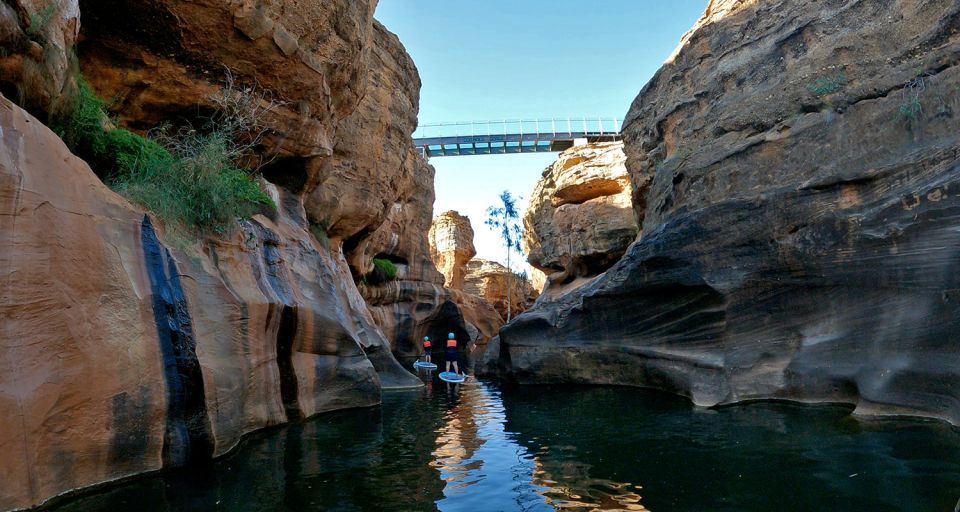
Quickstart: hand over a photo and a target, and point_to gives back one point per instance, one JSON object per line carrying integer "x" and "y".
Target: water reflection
{"x": 586, "y": 493}
{"x": 481, "y": 464}
{"x": 596, "y": 448}
{"x": 477, "y": 447}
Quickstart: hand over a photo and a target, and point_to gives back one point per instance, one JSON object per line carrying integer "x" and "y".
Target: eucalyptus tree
{"x": 505, "y": 220}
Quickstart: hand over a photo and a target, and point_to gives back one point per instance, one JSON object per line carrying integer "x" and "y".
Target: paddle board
{"x": 452, "y": 377}
{"x": 425, "y": 365}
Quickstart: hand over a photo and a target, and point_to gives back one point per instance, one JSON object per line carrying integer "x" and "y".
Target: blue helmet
{"x": 426, "y": 338}
{"x": 450, "y": 335}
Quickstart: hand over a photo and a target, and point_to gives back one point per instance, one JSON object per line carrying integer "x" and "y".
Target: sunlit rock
{"x": 451, "y": 246}
{"x": 580, "y": 218}
{"x": 796, "y": 174}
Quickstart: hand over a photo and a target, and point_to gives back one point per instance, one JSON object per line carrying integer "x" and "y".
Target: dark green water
{"x": 482, "y": 448}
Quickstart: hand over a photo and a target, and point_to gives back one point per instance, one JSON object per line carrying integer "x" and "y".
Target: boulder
{"x": 796, "y": 174}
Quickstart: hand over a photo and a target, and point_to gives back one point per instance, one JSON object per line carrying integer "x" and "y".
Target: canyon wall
{"x": 795, "y": 170}
{"x": 151, "y": 357}
{"x": 123, "y": 352}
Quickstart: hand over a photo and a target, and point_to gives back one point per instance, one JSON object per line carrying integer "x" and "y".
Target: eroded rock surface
{"x": 160, "y": 59}
{"x": 797, "y": 174}
{"x": 580, "y": 218}
{"x": 376, "y": 199}
{"x": 153, "y": 357}
{"x": 36, "y": 62}
{"x": 374, "y": 169}
{"x": 451, "y": 247}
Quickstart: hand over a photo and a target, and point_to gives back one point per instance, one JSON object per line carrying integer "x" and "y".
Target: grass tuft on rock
{"x": 383, "y": 271}
{"x": 188, "y": 178}
{"x": 196, "y": 185}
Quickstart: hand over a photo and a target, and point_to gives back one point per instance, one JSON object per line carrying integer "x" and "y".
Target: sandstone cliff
{"x": 796, "y": 172}
{"x": 580, "y": 218}
{"x": 150, "y": 356}
{"x": 376, "y": 197}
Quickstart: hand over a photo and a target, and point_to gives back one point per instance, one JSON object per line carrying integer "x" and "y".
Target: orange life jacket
{"x": 452, "y": 343}
{"x": 426, "y": 343}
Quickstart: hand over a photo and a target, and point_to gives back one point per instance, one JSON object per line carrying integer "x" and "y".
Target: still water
{"x": 479, "y": 447}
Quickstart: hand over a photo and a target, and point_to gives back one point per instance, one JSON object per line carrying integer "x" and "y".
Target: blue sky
{"x": 525, "y": 59}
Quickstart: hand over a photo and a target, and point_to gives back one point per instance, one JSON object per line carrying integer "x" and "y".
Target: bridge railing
{"x": 569, "y": 126}
{"x": 513, "y": 136}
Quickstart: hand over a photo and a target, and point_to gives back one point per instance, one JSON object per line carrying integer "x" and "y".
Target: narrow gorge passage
{"x": 690, "y": 255}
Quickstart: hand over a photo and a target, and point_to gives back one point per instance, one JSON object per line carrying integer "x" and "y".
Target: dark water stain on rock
{"x": 277, "y": 277}
{"x": 130, "y": 442}
{"x": 187, "y": 437}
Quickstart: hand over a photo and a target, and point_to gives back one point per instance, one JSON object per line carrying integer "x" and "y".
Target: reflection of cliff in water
{"x": 482, "y": 465}
{"x": 457, "y": 438}
{"x": 379, "y": 457}
{"x": 603, "y": 448}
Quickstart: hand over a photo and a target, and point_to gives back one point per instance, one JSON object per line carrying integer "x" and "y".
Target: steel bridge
{"x": 518, "y": 136}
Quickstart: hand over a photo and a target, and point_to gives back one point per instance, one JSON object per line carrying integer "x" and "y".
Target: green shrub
{"x": 197, "y": 185}
{"x": 385, "y": 267}
{"x": 130, "y": 151}
{"x": 383, "y": 270}
{"x": 188, "y": 179}
{"x": 910, "y": 109}
{"x": 82, "y": 127}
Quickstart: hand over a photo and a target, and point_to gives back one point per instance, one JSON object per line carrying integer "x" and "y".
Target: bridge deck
{"x": 504, "y": 137}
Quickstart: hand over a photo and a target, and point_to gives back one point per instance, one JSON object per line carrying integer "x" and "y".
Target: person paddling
{"x": 426, "y": 349}
{"x": 452, "y": 353}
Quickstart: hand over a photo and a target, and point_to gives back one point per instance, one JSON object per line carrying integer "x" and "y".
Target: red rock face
{"x": 152, "y": 357}
{"x": 80, "y": 367}
{"x": 312, "y": 56}
{"x": 36, "y": 64}
{"x": 149, "y": 356}
{"x": 797, "y": 174}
